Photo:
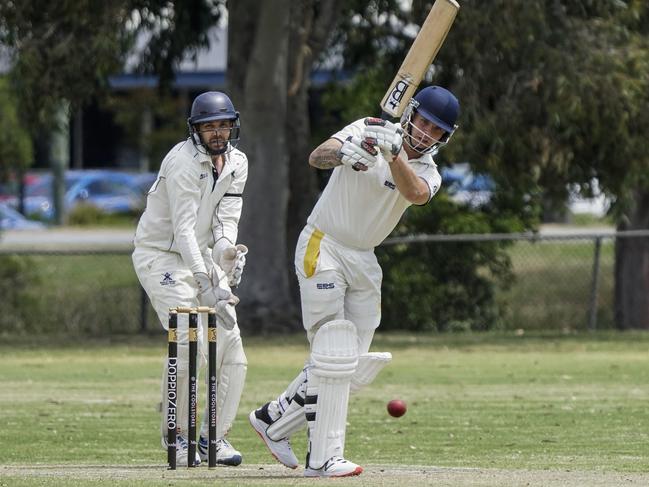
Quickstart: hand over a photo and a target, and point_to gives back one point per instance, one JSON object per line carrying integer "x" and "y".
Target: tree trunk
{"x": 632, "y": 269}
{"x": 271, "y": 49}
{"x": 310, "y": 26}
{"x": 266, "y": 302}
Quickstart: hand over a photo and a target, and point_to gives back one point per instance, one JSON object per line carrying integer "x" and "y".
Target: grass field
{"x": 483, "y": 410}
{"x": 552, "y": 285}
{"x": 551, "y": 288}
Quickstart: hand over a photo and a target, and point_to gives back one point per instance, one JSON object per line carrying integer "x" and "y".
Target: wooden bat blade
{"x": 430, "y": 38}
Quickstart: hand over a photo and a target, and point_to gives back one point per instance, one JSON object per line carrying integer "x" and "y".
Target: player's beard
{"x": 216, "y": 146}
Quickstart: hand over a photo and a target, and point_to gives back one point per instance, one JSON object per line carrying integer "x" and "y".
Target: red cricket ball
{"x": 397, "y": 408}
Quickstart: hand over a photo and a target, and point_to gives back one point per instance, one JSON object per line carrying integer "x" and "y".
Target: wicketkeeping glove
{"x": 226, "y": 301}
{"x": 232, "y": 261}
{"x": 221, "y": 300}
{"x": 387, "y": 136}
{"x": 358, "y": 153}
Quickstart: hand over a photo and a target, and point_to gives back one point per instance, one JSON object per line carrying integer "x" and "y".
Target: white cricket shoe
{"x": 225, "y": 452}
{"x": 335, "y": 467}
{"x": 280, "y": 449}
{"x": 182, "y": 448}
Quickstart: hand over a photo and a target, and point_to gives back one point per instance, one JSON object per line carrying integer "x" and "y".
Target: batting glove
{"x": 387, "y": 136}
{"x": 358, "y": 153}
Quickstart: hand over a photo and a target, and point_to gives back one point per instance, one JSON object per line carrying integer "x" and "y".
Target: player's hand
{"x": 387, "y": 136}
{"x": 358, "y": 153}
{"x": 205, "y": 286}
{"x": 224, "y": 306}
{"x": 221, "y": 300}
{"x": 232, "y": 261}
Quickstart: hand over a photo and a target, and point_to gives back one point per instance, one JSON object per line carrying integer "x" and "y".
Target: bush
{"x": 89, "y": 215}
{"x": 445, "y": 286}
{"x": 19, "y": 288}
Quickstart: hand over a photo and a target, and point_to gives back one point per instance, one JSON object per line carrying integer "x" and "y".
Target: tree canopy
{"x": 553, "y": 92}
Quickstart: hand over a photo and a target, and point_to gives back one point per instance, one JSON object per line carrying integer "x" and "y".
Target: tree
{"x": 272, "y": 47}
{"x": 15, "y": 146}
{"x": 61, "y": 51}
{"x": 555, "y": 93}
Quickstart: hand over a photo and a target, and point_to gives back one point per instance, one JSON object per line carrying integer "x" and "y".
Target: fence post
{"x": 592, "y": 318}
{"x": 143, "y": 313}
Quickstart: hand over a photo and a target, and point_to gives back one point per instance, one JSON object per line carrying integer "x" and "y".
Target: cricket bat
{"x": 420, "y": 56}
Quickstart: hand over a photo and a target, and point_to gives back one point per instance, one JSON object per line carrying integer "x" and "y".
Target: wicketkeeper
{"x": 380, "y": 169}
{"x": 186, "y": 255}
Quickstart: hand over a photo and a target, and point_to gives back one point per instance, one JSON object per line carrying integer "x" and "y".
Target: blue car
{"x": 143, "y": 181}
{"x": 466, "y": 187}
{"x": 10, "y": 219}
{"x": 109, "y": 191}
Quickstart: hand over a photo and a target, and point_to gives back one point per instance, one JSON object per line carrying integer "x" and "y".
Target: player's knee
{"x": 334, "y": 349}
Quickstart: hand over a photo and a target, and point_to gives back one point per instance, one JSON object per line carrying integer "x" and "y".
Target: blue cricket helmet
{"x": 437, "y": 105}
{"x": 209, "y": 107}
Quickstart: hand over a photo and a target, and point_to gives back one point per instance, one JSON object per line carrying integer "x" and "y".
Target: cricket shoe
{"x": 335, "y": 467}
{"x": 182, "y": 448}
{"x": 225, "y": 452}
{"x": 280, "y": 449}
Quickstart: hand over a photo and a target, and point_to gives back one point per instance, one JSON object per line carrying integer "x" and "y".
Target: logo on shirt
{"x": 167, "y": 280}
{"x": 203, "y": 175}
{"x": 325, "y": 285}
{"x": 389, "y": 184}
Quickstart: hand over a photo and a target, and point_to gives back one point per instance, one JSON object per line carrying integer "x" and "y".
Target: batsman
{"x": 379, "y": 169}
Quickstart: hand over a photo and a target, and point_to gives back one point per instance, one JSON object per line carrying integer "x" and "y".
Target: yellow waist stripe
{"x": 312, "y": 253}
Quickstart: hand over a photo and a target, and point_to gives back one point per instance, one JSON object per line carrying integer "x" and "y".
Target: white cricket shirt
{"x": 187, "y": 210}
{"x": 360, "y": 209}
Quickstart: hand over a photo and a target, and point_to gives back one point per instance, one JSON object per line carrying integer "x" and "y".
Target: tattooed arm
{"x": 326, "y": 155}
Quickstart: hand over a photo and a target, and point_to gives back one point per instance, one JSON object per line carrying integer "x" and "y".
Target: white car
{"x": 10, "y": 219}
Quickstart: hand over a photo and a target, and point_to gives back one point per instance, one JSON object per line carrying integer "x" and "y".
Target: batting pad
{"x": 287, "y": 411}
{"x": 369, "y": 366}
{"x": 334, "y": 358}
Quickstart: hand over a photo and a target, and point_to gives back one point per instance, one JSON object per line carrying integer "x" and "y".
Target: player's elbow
{"x": 417, "y": 196}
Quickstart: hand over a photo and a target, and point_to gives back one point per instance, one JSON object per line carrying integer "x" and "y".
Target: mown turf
{"x": 575, "y": 402}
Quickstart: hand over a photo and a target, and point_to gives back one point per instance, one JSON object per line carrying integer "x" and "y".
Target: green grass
{"x": 553, "y": 282}
{"x": 552, "y": 402}
{"x": 100, "y": 294}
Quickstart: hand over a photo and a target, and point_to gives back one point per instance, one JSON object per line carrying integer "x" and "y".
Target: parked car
{"x": 10, "y": 189}
{"x": 466, "y": 187}
{"x": 10, "y": 219}
{"x": 109, "y": 191}
{"x": 596, "y": 205}
{"x": 143, "y": 181}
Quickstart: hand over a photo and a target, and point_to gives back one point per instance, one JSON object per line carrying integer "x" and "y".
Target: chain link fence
{"x": 557, "y": 282}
